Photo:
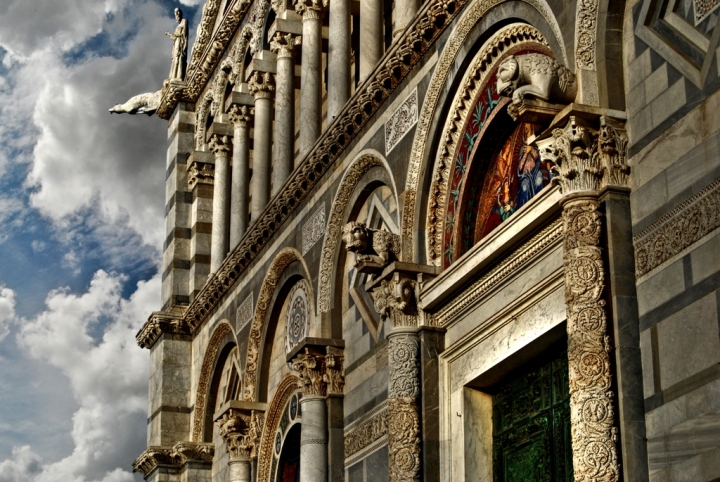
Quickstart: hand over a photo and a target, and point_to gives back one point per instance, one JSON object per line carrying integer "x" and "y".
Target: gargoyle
{"x": 374, "y": 248}
{"x": 146, "y": 103}
{"x": 537, "y": 75}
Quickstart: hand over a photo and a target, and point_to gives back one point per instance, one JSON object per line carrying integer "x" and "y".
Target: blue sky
{"x": 81, "y": 229}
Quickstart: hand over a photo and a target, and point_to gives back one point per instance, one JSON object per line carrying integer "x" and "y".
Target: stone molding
{"x": 278, "y": 265}
{"x": 677, "y": 230}
{"x": 508, "y": 267}
{"x": 284, "y": 391}
{"x": 211, "y": 352}
{"x": 159, "y": 322}
{"x": 334, "y": 377}
{"x": 175, "y": 456}
{"x": 364, "y": 435}
{"x": 349, "y": 182}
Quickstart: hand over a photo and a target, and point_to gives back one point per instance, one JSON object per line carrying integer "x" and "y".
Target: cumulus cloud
{"x": 107, "y": 374}
{"x": 7, "y": 312}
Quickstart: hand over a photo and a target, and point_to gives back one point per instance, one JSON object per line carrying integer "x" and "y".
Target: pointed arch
{"x": 217, "y": 338}
{"x": 262, "y": 309}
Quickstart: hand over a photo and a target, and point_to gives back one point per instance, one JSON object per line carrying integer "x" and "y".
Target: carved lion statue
{"x": 372, "y": 246}
{"x": 537, "y": 75}
{"x": 146, "y": 103}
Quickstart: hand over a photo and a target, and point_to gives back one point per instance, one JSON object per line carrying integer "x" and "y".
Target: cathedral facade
{"x": 442, "y": 241}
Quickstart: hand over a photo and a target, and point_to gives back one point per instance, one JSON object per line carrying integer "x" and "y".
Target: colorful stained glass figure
{"x": 531, "y": 423}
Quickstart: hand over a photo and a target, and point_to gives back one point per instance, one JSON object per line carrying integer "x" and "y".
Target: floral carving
{"x": 334, "y": 377}
{"x": 395, "y": 299}
{"x": 402, "y": 120}
{"x": 404, "y": 369}
{"x": 404, "y": 439}
{"x": 311, "y": 370}
{"x": 283, "y": 44}
{"x": 234, "y": 429}
{"x": 585, "y": 33}
{"x": 613, "y": 150}
{"x": 241, "y": 115}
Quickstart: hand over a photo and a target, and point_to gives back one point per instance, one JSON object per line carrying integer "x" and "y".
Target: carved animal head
{"x": 355, "y": 236}
{"x": 507, "y": 76}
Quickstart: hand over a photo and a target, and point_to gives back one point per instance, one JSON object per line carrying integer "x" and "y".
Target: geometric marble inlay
{"x": 703, "y": 8}
{"x": 299, "y": 312}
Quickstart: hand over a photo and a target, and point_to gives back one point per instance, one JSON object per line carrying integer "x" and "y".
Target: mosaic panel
{"x": 298, "y": 315}
{"x": 313, "y": 229}
{"x": 703, "y": 8}
{"x": 404, "y": 118}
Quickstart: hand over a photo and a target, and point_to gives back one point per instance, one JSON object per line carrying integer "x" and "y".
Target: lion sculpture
{"x": 537, "y": 75}
{"x": 374, "y": 248}
{"x": 146, "y": 103}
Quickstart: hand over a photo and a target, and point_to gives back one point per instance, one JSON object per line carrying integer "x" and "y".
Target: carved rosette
{"x": 283, "y": 44}
{"x": 261, "y": 84}
{"x": 220, "y": 144}
{"x": 311, "y": 373}
{"x": 403, "y": 364}
{"x": 241, "y": 115}
{"x": 333, "y": 376}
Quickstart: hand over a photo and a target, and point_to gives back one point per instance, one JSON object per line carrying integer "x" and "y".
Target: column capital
{"x": 283, "y": 44}
{"x": 220, "y": 143}
{"x": 241, "y": 115}
{"x": 241, "y": 429}
{"x": 261, "y": 84}
{"x": 311, "y": 369}
{"x": 587, "y": 151}
{"x": 310, "y": 9}
{"x": 334, "y": 376}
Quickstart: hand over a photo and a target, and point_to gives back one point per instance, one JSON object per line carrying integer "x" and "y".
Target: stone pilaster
{"x": 338, "y": 57}
{"x": 241, "y": 117}
{"x": 584, "y": 162}
{"x": 311, "y": 74}
{"x": 261, "y": 85}
{"x": 220, "y": 145}
{"x": 283, "y": 45}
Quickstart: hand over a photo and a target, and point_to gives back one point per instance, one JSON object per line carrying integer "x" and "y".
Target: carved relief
{"x": 244, "y": 313}
{"x": 404, "y": 439}
{"x": 201, "y": 121}
{"x": 211, "y": 352}
{"x": 234, "y": 429}
{"x": 332, "y": 235}
{"x": 200, "y": 173}
{"x": 261, "y": 84}
{"x": 298, "y": 315}
{"x": 678, "y": 229}
{"x": 613, "y": 142}
{"x": 175, "y": 456}
{"x": 373, "y": 248}
{"x": 311, "y": 370}
{"x": 221, "y": 81}
{"x": 365, "y": 434}
{"x": 402, "y": 120}
{"x": 241, "y": 115}
{"x": 585, "y": 34}
{"x": 220, "y": 144}
{"x": 538, "y": 75}
{"x": 404, "y": 368}
{"x": 334, "y": 377}
{"x": 396, "y": 299}
{"x": 313, "y": 229}
{"x": 283, "y": 44}
{"x": 284, "y": 391}
{"x": 283, "y": 258}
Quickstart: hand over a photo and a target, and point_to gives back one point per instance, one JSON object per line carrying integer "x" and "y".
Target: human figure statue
{"x": 180, "y": 41}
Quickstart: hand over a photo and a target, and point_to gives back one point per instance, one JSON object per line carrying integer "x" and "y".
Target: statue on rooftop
{"x": 180, "y": 41}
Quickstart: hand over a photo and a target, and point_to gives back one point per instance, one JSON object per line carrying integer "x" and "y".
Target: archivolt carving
{"x": 585, "y": 34}
{"x": 335, "y": 224}
{"x": 278, "y": 265}
{"x": 272, "y": 421}
{"x": 211, "y": 352}
{"x": 475, "y": 11}
{"x": 201, "y": 120}
{"x": 457, "y": 117}
{"x": 240, "y": 50}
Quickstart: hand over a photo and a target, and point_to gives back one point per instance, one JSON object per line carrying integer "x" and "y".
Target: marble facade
{"x": 289, "y": 347}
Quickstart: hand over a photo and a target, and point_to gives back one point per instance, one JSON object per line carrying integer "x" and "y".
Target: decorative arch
{"x": 352, "y": 177}
{"x": 262, "y": 309}
{"x": 288, "y": 386}
{"x": 446, "y": 64}
{"x": 238, "y": 68}
{"x": 201, "y": 119}
{"x": 209, "y": 360}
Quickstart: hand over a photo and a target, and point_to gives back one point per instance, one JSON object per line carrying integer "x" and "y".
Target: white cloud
{"x": 24, "y": 465}
{"x": 7, "y": 312}
{"x": 107, "y": 374}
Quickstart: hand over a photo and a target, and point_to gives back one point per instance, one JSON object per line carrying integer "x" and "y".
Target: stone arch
{"x": 350, "y": 181}
{"x": 288, "y": 386}
{"x": 262, "y": 311}
{"x": 437, "y": 95}
{"x": 218, "y": 340}
{"x": 238, "y": 68}
{"x": 201, "y": 120}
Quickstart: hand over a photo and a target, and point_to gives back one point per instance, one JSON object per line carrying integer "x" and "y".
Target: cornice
{"x": 430, "y": 22}
{"x": 176, "y": 456}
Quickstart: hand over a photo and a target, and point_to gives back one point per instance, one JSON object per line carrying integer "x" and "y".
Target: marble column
{"x": 314, "y": 429}
{"x": 405, "y": 11}
{"x": 220, "y": 146}
{"x": 283, "y": 44}
{"x": 371, "y": 36}
{"x": 310, "y": 75}
{"x": 261, "y": 85}
{"x": 582, "y": 166}
{"x": 338, "y": 58}
{"x": 240, "y": 116}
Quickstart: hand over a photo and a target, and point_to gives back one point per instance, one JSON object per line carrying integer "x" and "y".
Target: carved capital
{"x": 174, "y": 456}
{"x": 283, "y": 44}
{"x": 613, "y": 142}
{"x": 160, "y": 322}
{"x": 200, "y": 173}
{"x": 334, "y": 377}
{"x": 235, "y": 430}
{"x": 395, "y": 298}
{"x": 310, "y": 9}
{"x": 220, "y": 144}
{"x": 241, "y": 115}
{"x": 261, "y": 84}
{"x": 311, "y": 372}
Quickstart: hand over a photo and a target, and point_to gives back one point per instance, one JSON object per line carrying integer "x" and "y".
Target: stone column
{"x": 335, "y": 380}
{"x": 283, "y": 44}
{"x": 240, "y": 116}
{"x": 405, "y": 11}
{"x": 582, "y": 166}
{"x": 241, "y": 429}
{"x": 313, "y": 431}
{"x": 338, "y": 58}
{"x": 261, "y": 86}
{"x": 220, "y": 146}
{"x": 311, "y": 74}
{"x": 371, "y": 36}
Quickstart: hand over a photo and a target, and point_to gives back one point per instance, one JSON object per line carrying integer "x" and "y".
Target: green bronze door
{"x": 531, "y": 423}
